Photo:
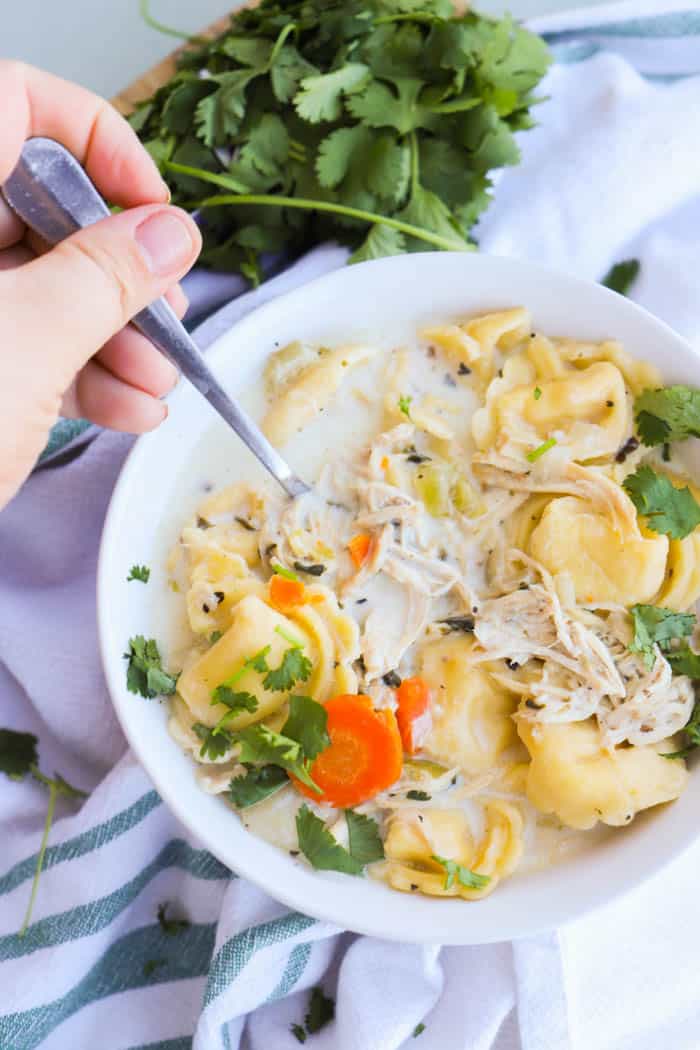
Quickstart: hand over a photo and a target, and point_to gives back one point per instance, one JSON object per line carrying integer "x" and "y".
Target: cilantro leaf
{"x": 320, "y": 98}
{"x": 671, "y": 413}
{"x": 668, "y": 510}
{"x": 364, "y": 841}
{"x": 465, "y": 876}
{"x": 379, "y": 242}
{"x": 405, "y": 405}
{"x": 298, "y": 1032}
{"x": 214, "y": 745}
{"x": 295, "y": 667}
{"x": 139, "y": 572}
{"x": 306, "y": 723}
{"x": 144, "y": 673}
{"x": 622, "y": 276}
{"x": 170, "y": 926}
{"x": 692, "y": 735}
{"x": 258, "y": 783}
{"x": 18, "y": 753}
{"x": 262, "y": 745}
{"x": 320, "y": 848}
{"x": 237, "y": 702}
{"x": 418, "y": 1030}
{"x": 655, "y": 625}
{"x": 418, "y": 796}
{"x": 321, "y": 1011}
{"x": 684, "y": 661}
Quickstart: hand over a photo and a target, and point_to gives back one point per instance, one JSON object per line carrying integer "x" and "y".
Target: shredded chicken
{"x": 655, "y": 706}
{"x": 382, "y": 646}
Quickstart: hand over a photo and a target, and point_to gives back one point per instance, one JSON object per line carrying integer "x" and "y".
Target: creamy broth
{"x": 451, "y": 454}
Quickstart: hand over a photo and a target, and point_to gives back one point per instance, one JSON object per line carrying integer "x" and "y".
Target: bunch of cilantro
{"x": 373, "y": 122}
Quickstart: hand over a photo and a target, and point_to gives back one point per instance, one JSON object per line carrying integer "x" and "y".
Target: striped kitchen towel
{"x": 613, "y": 170}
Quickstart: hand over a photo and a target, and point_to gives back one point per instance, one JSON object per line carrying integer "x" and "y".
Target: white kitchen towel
{"x": 612, "y": 170}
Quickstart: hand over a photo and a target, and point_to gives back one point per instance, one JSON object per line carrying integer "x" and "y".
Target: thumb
{"x": 83, "y": 291}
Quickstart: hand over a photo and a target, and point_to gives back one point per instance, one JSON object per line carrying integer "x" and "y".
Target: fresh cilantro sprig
{"x": 261, "y": 745}
{"x": 168, "y": 924}
{"x": 294, "y": 667}
{"x": 306, "y": 723}
{"x": 375, "y": 124}
{"x": 654, "y": 625}
{"x": 215, "y": 744}
{"x": 465, "y": 876}
{"x": 139, "y": 572}
{"x": 256, "y": 784}
{"x": 319, "y": 1013}
{"x": 19, "y": 756}
{"x": 144, "y": 673}
{"x": 622, "y": 276}
{"x": 692, "y": 735}
{"x": 669, "y": 510}
{"x": 324, "y": 853}
{"x": 671, "y": 413}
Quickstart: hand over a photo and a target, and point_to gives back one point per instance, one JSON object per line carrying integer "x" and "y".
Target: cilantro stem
{"x": 294, "y": 642}
{"x": 414, "y": 162}
{"x": 167, "y": 30}
{"x": 303, "y": 204}
{"x": 53, "y": 792}
{"x": 279, "y": 42}
{"x": 254, "y": 199}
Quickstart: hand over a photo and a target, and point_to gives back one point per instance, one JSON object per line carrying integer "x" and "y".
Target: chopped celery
{"x": 433, "y": 487}
{"x": 466, "y": 498}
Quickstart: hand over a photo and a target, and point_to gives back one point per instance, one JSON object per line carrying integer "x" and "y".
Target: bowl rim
{"x": 529, "y": 924}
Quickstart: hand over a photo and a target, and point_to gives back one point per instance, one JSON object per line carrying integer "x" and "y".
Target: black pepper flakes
{"x": 630, "y": 446}
{"x": 463, "y": 370}
{"x": 392, "y": 679}
{"x": 534, "y": 705}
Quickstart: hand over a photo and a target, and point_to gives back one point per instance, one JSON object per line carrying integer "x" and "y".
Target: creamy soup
{"x": 463, "y": 654}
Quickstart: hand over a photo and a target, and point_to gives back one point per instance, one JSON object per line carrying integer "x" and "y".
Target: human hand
{"x": 64, "y": 347}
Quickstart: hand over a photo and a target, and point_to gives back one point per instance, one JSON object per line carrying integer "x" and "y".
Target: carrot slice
{"x": 413, "y": 697}
{"x": 284, "y": 593}
{"x": 359, "y": 548}
{"x": 364, "y": 756}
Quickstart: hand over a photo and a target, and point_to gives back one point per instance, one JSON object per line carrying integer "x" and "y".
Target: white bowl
{"x": 390, "y": 297}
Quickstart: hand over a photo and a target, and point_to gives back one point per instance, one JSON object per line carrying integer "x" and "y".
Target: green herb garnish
{"x": 258, "y": 783}
{"x": 298, "y": 1032}
{"x": 19, "y": 756}
{"x": 465, "y": 876}
{"x": 324, "y": 853}
{"x": 375, "y": 124}
{"x": 237, "y": 702}
{"x": 654, "y": 625}
{"x": 671, "y": 413}
{"x": 144, "y": 673}
{"x": 306, "y": 723}
{"x": 280, "y": 570}
{"x": 139, "y": 572}
{"x": 170, "y": 926}
{"x": 536, "y": 453}
{"x": 405, "y": 405}
{"x": 418, "y": 796}
{"x": 418, "y": 1030}
{"x": 537, "y": 393}
{"x": 294, "y": 667}
{"x": 622, "y": 276}
{"x": 321, "y": 1011}
{"x": 215, "y": 742}
{"x": 668, "y": 510}
{"x": 261, "y": 745}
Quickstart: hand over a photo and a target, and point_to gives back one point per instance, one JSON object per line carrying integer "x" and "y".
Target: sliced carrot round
{"x": 413, "y": 696}
{"x": 364, "y": 756}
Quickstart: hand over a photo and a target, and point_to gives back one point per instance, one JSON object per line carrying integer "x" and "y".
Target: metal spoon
{"x": 52, "y": 194}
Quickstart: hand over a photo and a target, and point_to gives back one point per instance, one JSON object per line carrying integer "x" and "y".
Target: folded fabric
{"x": 613, "y": 170}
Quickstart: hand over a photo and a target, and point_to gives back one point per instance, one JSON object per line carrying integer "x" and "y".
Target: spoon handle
{"x": 53, "y": 195}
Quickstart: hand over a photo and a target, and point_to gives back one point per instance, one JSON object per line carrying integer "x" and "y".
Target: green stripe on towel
{"x": 120, "y": 969}
{"x": 84, "y": 843}
{"x": 86, "y": 919}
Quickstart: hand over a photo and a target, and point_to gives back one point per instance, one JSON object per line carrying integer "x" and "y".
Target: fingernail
{"x": 165, "y": 242}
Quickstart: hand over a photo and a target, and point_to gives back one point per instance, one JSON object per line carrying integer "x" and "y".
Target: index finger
{"x": 38, "y": 103}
